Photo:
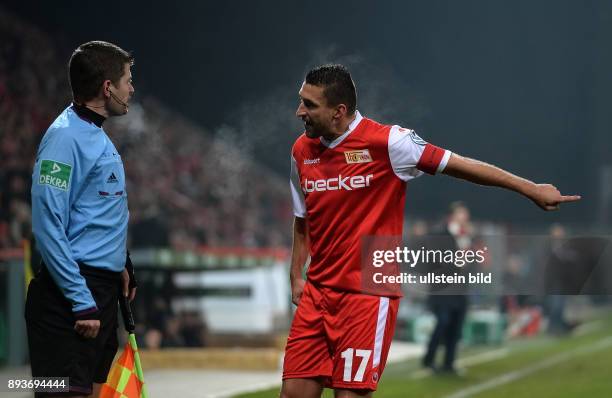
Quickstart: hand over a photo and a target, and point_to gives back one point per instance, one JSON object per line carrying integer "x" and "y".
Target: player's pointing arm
{"x": 546, "y": 196}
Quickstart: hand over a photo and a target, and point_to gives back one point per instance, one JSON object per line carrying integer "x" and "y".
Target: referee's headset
{"x": 116, "y": 98}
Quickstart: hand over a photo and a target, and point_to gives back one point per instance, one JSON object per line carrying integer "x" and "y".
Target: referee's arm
{"x": 546, "y": 196}
{"x": 50, "y": 218}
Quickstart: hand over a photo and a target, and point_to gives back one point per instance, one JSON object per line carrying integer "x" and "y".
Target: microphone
{"x": 117, "y": 99}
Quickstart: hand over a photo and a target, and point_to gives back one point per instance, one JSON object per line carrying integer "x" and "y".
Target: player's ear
{"x": 340, "y": 111}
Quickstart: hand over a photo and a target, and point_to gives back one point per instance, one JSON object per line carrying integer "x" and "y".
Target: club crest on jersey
{"x": 362, "y": 156}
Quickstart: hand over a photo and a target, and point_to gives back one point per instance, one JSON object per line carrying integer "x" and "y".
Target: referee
{"x": 79, "y": 219}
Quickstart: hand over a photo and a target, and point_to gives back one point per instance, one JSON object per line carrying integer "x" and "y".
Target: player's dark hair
{"x": 338, "y": 86}
{"x": 91, "y": 64}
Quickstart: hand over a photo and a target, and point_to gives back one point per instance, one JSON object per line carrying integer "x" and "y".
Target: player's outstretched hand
{"x": 88, "y": 328}
{"x": 297, "y": 287}
{"x": 548, "y": 197}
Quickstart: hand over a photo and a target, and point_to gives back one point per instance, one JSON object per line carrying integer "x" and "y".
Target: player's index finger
{"x": 569, "y": 198}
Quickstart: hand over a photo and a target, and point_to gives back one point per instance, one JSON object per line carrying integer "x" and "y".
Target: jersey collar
{"x": 88, "y": 115}
{"x": 351, "y": 127}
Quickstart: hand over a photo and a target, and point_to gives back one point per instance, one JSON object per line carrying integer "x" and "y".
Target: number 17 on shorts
{"x": 363, "y": 357}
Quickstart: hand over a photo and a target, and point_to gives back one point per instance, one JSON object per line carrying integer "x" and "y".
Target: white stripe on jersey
{"x": 297, "y": 196}
{"x": 383, "y": 308}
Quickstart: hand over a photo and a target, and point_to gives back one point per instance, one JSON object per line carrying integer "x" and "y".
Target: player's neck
{"x": 340, "y": 128}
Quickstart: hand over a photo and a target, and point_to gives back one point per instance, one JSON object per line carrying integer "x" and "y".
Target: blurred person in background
{"x": 449, "y": 303}
{"x": 79, "y": 220}
{"x": 562, "y": 259}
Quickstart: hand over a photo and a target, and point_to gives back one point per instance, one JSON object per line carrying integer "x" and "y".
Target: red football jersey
{"x": 354, "y": 187}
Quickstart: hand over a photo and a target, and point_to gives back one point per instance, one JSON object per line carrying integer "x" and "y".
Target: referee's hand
{"x": 88, "y": 328}
{"x": 125, "y": 284}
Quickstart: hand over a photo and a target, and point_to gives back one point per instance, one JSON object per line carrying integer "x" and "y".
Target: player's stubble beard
{"x": 315, "y": 130}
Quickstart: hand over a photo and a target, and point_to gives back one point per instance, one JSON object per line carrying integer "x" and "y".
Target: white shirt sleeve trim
{"x": 297, "y": 196}
{"x": 444, "y": 161}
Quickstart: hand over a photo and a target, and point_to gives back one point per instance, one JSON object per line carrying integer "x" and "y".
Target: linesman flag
{"x": 125, "y": 379}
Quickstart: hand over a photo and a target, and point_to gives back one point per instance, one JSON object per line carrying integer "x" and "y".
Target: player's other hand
{"x": 88, "y": 328}
{"x": 548, "y": 197}
{"x": 297, "y": 288}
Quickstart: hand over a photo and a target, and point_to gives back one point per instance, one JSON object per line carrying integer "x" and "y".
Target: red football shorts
{"x": 340, "y": 336}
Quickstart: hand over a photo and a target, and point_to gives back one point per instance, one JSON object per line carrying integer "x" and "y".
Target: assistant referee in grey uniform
{"x": 79, "y": 219}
